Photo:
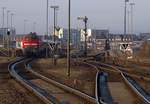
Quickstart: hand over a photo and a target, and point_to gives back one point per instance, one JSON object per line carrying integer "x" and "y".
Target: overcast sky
{"x": 102, "y": 14}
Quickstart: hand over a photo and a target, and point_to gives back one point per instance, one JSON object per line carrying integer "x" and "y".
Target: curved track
{"x": 46, "y": 89}
{"x": 135, "y": 87}
{"x": 102, "y": 92}
{"x": 42, "y": 94}
{"x": 80, "y": 95}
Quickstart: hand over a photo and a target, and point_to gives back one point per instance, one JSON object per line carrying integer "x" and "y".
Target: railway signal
{"x": 85, "y": 19}
{"x": 8, "y": 33}
{"x": 54, "y": 53}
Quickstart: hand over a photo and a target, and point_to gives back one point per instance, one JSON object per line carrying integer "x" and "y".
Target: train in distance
{"x": 29, "y": 45}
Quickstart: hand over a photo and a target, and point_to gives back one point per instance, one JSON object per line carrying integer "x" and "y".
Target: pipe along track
{"x": 49, "y": 91}
{"x": 135, "y": 87}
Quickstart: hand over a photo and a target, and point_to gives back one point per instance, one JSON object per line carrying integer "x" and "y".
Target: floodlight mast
{"x": 132, "y": 5}
{"x": 3, "y": 23}
{"x": 125, "y": 17}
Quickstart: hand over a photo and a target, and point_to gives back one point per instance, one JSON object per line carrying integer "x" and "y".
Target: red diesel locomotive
{"x": 29, "y": 44}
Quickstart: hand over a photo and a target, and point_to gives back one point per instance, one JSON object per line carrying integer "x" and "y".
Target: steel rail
{"x": 62, "y": 86}
{"x": 42, "y": 94}
{"x": 131, "y": 83}
{"x": 99, "y": 99}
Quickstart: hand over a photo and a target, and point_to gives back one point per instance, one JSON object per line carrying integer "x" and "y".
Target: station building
{"x": 95, "y": 38}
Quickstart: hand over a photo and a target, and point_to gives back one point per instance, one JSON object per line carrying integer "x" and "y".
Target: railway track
{"x": 86, "y": 98}
{"x": 102, "y": 92}
{"x": 103, "y": 95}
{"x": 143, "y": 96}
{"x": 3, "y": 52}
{"x": 46, "y": 89}
{"x": 138, "y": 75}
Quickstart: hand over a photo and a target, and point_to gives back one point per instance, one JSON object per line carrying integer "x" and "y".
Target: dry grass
{"x": 82, "y": 77}
{"x": 12, "y": 93}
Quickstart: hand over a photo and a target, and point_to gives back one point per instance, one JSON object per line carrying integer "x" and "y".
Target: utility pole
{"x": 128, "y": 29}
{"x": 8, "y": 18}
{"x": 132, "y": 4}
{"x": 12, "y": 14}
{"x": 55, "y": 8}
{"x": 25, "y": 26}
{"x": 85, "y": 19}
{"x": 47, "y": 28}
{"x": 34, "y": 26}
{"x": 8, "y": 47}
{"x": 125, "y": 16}
{"x": 8, "y": 34}
{"x": 69, "y": 33}
{"x": 11, "y": 27}
{"x": 3, "y": 23}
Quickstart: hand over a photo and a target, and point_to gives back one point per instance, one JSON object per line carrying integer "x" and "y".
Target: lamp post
{"x": 8, "y": 18}
{"x": 69, "y": 33}
{"x": 25, "y": 25}
{"x": 7, "y": 31}
{"x": 3, "y": 23}
{"x": 85, "y": 19}
{"x": 125, "y": 16}
{"x": 47, "y": 18}
{"x": 128, "y": 29}
{"x": 34, "y": 26}
{"x": 11, "y": 28}
{"x": 12, "y": 14}
{"x": 132, "y": 4}
{"x": 8, "y": 34}
{"x": 46, "y": 27}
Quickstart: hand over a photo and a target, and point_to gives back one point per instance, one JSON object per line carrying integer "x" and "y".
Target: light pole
{"x": 47, "y": 18}
{"x": 7, "y": 31}
{"x": 3, "y": 23}
{"x": 34, "y": 26}
{"x": 12, "y": 14}
{"x": 55, "y": 8}
{"x": 8, "y": 18}
{"x": 125, "y": 16}
{"x": 128, "y": 12}
{"x": 12, "y": 35}
{"x": 25, "y": 25}
{"x": 46, "y": 27}
{"x": 132, "y": 4}
{"x": 8, "y": 34}
{"x": 69, "y": 33}
{"x": 85, "y": 19}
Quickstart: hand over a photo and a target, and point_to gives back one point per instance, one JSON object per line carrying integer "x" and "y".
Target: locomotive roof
{"x": 31, "y": 36}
